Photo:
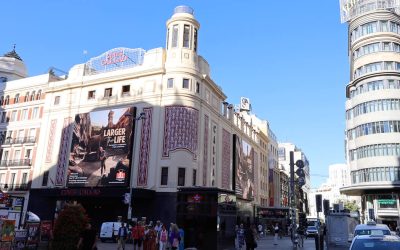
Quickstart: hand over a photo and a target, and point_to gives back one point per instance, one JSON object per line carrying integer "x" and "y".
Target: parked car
{"x": 311, "y": 231}
{"x": 375, "y": 242}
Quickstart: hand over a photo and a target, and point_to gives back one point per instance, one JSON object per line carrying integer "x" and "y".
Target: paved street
{"x": 263, "y": 243}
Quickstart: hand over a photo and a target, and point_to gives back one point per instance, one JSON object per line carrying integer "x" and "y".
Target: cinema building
{"x": 146, "y": 130}
{"x": 373, "y": 107}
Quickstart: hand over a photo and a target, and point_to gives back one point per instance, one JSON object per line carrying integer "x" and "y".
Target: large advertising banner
{"x": 244, "y": 165}
{"x": 101, "y": 148}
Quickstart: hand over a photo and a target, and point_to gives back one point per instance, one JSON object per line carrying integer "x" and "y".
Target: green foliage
{"x": 71, "y": 221}
{"x": 351, "y": 206}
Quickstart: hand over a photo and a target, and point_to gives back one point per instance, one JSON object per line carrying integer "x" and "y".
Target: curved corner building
{"x": 373, "y": 107}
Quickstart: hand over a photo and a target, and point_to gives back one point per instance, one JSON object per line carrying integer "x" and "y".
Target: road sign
{"x": 300, "y": 164}
{"x": 300, "y": 172}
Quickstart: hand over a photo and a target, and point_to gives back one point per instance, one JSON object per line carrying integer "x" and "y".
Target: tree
{"x": 351, "y": 206}
{"x": 71, "y": 221}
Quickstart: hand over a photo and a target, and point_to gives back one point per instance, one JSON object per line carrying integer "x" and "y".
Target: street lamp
{"x": 140, "y": 117}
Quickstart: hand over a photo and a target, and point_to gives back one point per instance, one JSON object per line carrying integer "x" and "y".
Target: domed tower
{"x": 182, "y": 30}
{"x": 12, "y": 67}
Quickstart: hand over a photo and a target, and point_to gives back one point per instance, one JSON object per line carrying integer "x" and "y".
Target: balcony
{"x": 15, "y": 187}
{"x": 20, "y": 140}
{"x": 15, "y": 163}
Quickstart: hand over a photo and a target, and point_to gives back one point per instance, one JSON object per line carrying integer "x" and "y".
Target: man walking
{"x": 122, "y": 235}
{"x": 276, "y": 231}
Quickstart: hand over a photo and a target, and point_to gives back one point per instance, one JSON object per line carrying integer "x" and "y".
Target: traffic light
{"x": 318, "y": 202}
{"x": 326, "y": 207}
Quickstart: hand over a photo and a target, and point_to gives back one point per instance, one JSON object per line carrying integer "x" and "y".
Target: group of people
{"x": 151, "y": 237}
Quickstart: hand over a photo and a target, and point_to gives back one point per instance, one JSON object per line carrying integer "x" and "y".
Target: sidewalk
{"x": 285, "y": 243}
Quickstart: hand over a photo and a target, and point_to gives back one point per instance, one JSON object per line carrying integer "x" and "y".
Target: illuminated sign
{"x": 114, "y": 57}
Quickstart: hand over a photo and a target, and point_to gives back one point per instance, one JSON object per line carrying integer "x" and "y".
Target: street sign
{"x": 300, "y": 172}
{"x": 300, "y": 164}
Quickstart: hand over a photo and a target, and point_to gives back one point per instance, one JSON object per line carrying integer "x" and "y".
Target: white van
{"x": 109, "y": 231}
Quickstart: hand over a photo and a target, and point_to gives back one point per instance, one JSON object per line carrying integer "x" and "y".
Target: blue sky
{"x": 288, "y": 57}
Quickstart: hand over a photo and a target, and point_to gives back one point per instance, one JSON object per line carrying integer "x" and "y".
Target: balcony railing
{"x": 15, "y": 163}
{"x": 15, "y": 187}
{"x": 20, "y": 140}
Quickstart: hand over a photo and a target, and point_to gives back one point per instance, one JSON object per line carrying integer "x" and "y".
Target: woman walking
{"x": 240, "y": 237}
{"x": 163, "y": 238}
{"x": 174, "y": 237}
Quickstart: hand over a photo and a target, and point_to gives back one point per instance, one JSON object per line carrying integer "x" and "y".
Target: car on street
{"x": 375, "y": 242}
{"x": 371, "y": 228}
{"x": 311, "y": 231}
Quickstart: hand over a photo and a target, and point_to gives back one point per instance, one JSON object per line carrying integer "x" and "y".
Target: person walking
{"x": 122, "y": 235}
{"x": 250, "y": 239}
{"x": 163, "y": 238}
{"x": 174, "y": 237}
{"x": 260, "y": 230}
{"x": 276, "y": 231}
{"x": 150, "y": 238}
{"x": 87, "y": 239}
{"x": 240, "y": 237}
{"x": 137, "y": 236}
{"x": 158, "y": 228}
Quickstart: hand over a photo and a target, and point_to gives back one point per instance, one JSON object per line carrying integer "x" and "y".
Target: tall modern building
{"x": 373, "y": 106}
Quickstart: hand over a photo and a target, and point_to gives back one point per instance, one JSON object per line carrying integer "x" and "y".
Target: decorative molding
{"x": 180, "y": 129}
{"x": 205, "y": 150}
{"x": 226, "y": 159}
{"x": 64, "y": 152}
{"x": 50, "y": 142}
{"x": 144, "y": 152}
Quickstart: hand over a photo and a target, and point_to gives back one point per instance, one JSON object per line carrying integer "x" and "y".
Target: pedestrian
{"x": 260, "y": 230}
{"x": 240, "y": 237}
{"x": 87, "y": 239}
{"x": 250, "y": 239}
{"x": 122, "y": 235}
{"x": 150, "y": 238}
{"x": 276, "y": 231}
{"x": 174, "y": 237}
{"x": 157, "y": 228}
{"x": 181, "y": 239}
{"x": 163, "y": 238}
{"x": 137, "y": 235}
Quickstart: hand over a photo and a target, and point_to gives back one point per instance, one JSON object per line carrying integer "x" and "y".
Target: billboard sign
{"x": 244, "y": 165}
{"x": 101, "y": 148}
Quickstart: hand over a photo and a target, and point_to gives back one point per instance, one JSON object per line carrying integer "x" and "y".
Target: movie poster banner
{"x": 7, "y": 230}
{"x": 101, "y": 148}
{"x": 244, "y": 166}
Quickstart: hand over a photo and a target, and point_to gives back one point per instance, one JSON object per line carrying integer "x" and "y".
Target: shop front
{"x": 207, "y": 216}
{"x": 269, "y": 216}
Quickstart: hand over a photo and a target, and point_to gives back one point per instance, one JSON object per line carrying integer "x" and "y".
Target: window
{"x": 197, "y": 87}
{"x": 107, "y": 92}
{"x": 126, "y": 90}
{"x": 195, "y": 40}
{"x": 16, "y": 98}
{"x": 17, "y": 155}
{"x": 33, "y": 96}
{"x": 185, "y": 83}
{"x": 32, "y": 133}
{"x": 45, "y": 179}
{"x": 181, "y": 176}
{"x": 194, "y": 177}
{"x": 12, "y": 181}
{"x": 92, "y": 94}
{"x": 167, "y": 38}
{"x": 5, "y": 156}
{"x": 14, "y": 116}
{"x": 186, "y": 35}
{"x": 164, "y": 176}
{"x": 39, "y": 95}
{"x": 26, "y": 97}
{"x": 24, "y": 115}
{"x": 28, "y": 154}
{"x": 57, "y": 100}
{"x": 1, "y": 100}
{"x": 7, "y": 100}
{"x": 175, "y": 31}
{"x": 24, "y": 179}
{"x": 35, "y": 113}
{"x": 170, "y": 83}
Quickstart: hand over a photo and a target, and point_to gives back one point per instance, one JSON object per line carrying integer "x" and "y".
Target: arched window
{"x": 33, "y": 96}
{"x": 1, "y": 100}
{"x": 7, "y": 100}
{"x": 39, "y": 94}
{"x": 26, "y": 97}
{"x": 16, "y": 98}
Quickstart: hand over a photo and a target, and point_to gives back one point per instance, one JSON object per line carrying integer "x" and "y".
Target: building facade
{"x": 373, "y": 107}
{"x": 134, "y": 133}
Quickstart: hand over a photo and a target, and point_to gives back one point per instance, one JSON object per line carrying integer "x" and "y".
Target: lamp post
{"x": 135, "y": 119}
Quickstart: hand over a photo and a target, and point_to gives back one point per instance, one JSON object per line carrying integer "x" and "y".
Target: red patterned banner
{"x": 144, "y": 147}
